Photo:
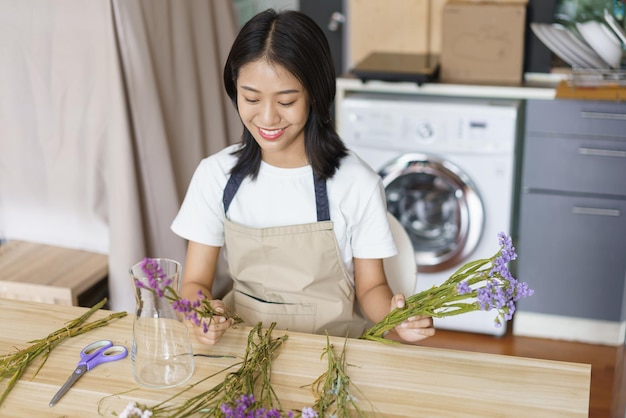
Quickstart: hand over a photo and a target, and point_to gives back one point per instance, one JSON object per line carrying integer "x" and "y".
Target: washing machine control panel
{"x": 424, "y": 131}
{"x": 427, "y": 124}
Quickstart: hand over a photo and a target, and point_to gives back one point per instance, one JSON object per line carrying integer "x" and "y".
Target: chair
{"x": 401, "y": 269}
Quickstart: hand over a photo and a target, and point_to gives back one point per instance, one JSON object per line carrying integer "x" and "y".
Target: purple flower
{"x": 181, "y": 305}
{"x": 463, "y": 288}
{"x": 246, "y": 407}
{"x": 502, "y": 290}
{"x": 522, "y": 291}
{"x": 132, "y": 410}
{"x": 483, "y": 284}
{"x": 505, "y": 255}
{"x": 227, "y": 410}
{"x": 308, "y": 413}
{"x": 157, "y": 280}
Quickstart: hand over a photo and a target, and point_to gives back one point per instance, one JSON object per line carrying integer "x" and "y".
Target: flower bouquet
{"x": 234, "y": 397}
{"x": 483, "y": 284}
{"x": 158, "y": 282}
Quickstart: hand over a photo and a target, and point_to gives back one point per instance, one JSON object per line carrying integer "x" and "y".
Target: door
{"x": 438, "y": 205}
{"x": 329, "y": 15}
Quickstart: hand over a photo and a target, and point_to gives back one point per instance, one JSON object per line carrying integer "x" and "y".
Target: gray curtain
{"x": 106, "y": 108}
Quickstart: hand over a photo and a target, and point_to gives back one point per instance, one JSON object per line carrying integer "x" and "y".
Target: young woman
{"x": 302, "y": 219}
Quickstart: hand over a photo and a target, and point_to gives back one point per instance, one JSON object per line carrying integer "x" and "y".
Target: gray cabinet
{"x": 572, "y": 209}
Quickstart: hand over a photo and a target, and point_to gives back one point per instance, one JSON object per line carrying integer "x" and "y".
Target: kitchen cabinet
{"x": 572, "y": 221}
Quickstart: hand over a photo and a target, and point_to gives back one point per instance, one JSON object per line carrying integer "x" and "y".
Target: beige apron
{"x": 292, "y": 275}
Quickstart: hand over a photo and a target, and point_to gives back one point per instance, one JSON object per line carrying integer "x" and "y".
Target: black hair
{"x": 294, "y": 41}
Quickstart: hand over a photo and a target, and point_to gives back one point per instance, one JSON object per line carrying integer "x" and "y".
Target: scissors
{"x": 93, "y": 354}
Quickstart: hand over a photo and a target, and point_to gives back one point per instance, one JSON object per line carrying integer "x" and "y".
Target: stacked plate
{"x": 619, "y": 31}
{"x": 590, "y": 44}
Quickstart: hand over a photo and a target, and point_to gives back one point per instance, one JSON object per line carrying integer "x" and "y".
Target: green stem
{"x": 438, "y": 301}
{"x": 254, "y": 369}
{"x": 13, "y": 365}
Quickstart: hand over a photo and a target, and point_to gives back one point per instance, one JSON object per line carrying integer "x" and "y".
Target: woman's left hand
{"x": 414, "y": 329}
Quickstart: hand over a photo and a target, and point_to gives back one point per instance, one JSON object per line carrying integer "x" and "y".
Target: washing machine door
{"x": 439, "y": 206}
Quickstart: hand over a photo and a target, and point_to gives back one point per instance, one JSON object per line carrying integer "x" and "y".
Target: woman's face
{"x": 274, "y": 106}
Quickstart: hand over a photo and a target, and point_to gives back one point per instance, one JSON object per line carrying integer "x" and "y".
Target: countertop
{"x": 535, "y": 87}
{"x": 397, "y": 380}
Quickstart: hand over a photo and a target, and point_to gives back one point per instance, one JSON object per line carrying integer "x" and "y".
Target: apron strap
{"x": 231, "y": 188}
{"x": 321, "y": 199}
{"x": 321, "y": 195}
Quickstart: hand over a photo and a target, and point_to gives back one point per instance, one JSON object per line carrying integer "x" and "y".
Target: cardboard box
{"x": 436, "y": 25}
{"x": 483, "y": 42}
{"x": 379, "y": 26}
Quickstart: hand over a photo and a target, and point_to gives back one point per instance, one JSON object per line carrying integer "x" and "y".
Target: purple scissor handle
{"x": 93, "y": 354}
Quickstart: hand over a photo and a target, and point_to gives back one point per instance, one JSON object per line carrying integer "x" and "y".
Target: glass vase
{"x": 162, "y": 354}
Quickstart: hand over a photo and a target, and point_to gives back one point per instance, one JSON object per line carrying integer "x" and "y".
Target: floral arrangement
{"x": 332, "y": 388}
{"x": 243, "y": 393}
{"x": 234, "y": 397}
{"x": 13, "y": 365}
{"x": 483, "y": 284}
{"x": 159, "y": 283}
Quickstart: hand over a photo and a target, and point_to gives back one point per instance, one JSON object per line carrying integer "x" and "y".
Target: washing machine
{"x": 448, "y": 167}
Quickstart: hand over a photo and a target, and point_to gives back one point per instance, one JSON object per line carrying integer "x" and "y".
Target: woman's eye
{"x": 286, "y": 104}
{"x": 251, "y": 100}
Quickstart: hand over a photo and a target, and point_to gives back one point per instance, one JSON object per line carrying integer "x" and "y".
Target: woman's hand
{"x": 414, "y": 329}
{"x": 211, "y": 330}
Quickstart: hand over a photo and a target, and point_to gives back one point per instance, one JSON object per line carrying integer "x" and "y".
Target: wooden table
{"x": 399, "y": 380}
{"x": 46, "y": 273}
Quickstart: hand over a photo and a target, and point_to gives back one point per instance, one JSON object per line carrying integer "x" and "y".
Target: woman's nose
{"x": 269, "y": 115}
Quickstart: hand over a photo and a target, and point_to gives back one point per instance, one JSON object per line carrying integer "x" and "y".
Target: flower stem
{"x": 13, "y": 365}
{"x": 252, "y": 376}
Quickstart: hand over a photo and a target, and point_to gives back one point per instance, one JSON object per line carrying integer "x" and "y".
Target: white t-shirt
{"x": 286, "y": 196}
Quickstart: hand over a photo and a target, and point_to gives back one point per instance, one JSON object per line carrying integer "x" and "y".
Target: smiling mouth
{"x": 271, "y": 133}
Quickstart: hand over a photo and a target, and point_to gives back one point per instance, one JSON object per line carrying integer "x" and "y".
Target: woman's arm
{"x": 198, "y": 275}
{"x": 376, "y": 301}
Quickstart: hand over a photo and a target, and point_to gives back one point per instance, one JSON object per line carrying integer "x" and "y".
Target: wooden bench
{"x": 45, "y": 273}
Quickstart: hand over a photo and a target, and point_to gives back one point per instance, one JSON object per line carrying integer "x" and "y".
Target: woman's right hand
{"x": 211, "y": 330}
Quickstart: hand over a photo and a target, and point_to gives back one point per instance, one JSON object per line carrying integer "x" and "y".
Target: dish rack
{"x": 591, "y": 77}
